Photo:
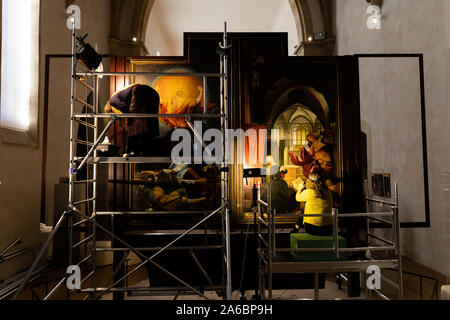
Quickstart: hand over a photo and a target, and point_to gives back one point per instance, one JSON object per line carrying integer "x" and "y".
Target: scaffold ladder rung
{"x": 83, "y": 142}
{"x": 82, "y": 82}
{"x": 84, "y": 103}
{"x": 87, "y": 124}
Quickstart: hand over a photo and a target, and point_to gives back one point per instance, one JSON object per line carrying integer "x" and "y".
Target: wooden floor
{"x": 411, "y": 282}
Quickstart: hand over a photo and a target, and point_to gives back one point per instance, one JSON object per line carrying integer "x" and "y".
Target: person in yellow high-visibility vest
{"x": 318, "y": 200}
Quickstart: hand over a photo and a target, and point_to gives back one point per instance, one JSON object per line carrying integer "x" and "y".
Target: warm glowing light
{"x": 134, "y": 39}
{"x": 310, "y": 39}
{"x": 178, "y": 95}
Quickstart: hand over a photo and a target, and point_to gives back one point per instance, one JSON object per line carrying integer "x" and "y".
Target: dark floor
{"x": 411, "y": 281}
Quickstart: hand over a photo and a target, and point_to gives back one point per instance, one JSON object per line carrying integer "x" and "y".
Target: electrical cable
{"x": 244, "y": 257}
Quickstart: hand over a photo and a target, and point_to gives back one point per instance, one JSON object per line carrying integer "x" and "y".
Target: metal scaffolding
{"x": 386, "y": 256}
{"x": 84, "y": 211}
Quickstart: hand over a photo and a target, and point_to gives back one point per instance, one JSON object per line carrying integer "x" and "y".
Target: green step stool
{"x": 306, "y": 240}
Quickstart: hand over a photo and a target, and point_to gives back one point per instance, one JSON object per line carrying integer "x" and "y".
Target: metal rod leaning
{"x": 40, "y": 255}
{"x": 12, "y": 244}
{"x": 13, "y": 254}
{"x": 97, "y": 142}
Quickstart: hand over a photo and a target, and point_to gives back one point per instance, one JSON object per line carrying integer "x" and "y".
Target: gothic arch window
{"x": 19, "y": 70}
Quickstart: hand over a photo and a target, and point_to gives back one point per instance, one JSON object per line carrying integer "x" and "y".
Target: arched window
{"x": 19, "y": 65}
{"x": 299, "y": 129}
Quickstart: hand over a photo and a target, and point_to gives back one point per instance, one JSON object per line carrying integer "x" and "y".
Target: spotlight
{"x": 134, "y": 39}
{"x": 87, "y": 55}
{"x": 310, "y": 38}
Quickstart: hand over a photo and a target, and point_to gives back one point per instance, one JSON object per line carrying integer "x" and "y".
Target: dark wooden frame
{"x": 427, "y": 222}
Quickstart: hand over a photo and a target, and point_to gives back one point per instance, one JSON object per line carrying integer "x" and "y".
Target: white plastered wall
{"x": 408, "y": 26}
{"x": 20, "y": 167}
{"x": 170, "y": 18}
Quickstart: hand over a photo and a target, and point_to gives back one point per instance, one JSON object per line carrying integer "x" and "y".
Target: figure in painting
{"x": 319, "y": 157}
{"x": 177, "y": 188}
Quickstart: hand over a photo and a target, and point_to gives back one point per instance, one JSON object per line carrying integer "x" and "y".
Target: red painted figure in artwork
{"x": 318, "y": 158}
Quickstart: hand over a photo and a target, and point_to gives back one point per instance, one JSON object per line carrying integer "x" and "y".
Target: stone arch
{"x": 311, "y": 17}
{"x": 129, "y": 19}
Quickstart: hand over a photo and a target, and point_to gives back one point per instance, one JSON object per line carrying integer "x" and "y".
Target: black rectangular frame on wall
{"x": 419, "y": 56}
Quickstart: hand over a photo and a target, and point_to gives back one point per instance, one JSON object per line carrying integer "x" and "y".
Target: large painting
{"x": 312, "y": 102}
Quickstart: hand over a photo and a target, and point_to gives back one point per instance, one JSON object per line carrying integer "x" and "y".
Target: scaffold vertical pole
{"x": 94, "y": 185}
{"x": 397, "y": 243}
{"x": 225, "y": 176}
{"x": 72, "y": 170}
